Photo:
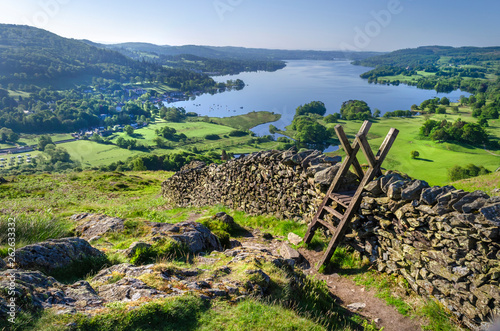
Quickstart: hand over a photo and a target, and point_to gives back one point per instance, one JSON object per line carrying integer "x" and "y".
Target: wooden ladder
{"x": 348, "y": 202}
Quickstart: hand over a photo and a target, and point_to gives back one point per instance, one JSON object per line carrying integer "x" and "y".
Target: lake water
{"x": 300, "y": 82}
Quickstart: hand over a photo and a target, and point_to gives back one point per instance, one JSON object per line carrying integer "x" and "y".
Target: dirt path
{"x": 347, "y": 293}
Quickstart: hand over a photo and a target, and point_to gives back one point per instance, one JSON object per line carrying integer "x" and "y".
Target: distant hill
{"x": 33, "y": 56}
{"x": 239, "y": 53}
{"x": 433, "y": 56}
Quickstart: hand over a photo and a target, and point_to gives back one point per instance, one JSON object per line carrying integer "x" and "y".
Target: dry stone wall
{"x": 285, "y": 184}
{"x": 444, "y": 242}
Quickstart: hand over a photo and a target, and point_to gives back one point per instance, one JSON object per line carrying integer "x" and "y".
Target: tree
{"x": 444, "y": 101}
{"x": 159, "y": 142}
{"x": 355, "y": 110}
{"x": 128, "y": 130}
{"x": 43, "y": 141}
{"x": 314, "y": 107}
{"x": 376, "y": 113}
{"x": 309, "y": 130}
{"x": 57, "y": 154}
{"x": 414, "y": 154}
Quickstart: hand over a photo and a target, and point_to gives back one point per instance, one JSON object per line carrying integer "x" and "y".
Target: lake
{"x": 300, "y": 82}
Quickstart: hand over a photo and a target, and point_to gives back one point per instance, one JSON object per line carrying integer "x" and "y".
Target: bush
{"x": 314, "y": 107}
{"x": 470, "y": 170}
{"x": 414, "y": 154}
{"x": 355, "y": 110}
{"x": 212, "y": 137}
{"x": 238, "y": 133}
{"x": 166, "y": 248}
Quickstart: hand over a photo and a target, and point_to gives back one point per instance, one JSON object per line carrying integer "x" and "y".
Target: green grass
{"x": 91, "y": 154}
{"x": 32, "y": 139}
{"x": 486, "y": 183}
{"x": 246, "y": 121}
{"x": 435, "y": 158}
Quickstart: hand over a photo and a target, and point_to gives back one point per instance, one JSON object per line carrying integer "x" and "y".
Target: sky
{"x": 361, "y": 25}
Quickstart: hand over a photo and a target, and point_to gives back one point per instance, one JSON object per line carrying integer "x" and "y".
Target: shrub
{"x": 414, "y": 154}
{"x": 212, "y": 137}
{"x": 238, "y": 133}
{"x": 166, "y": 248}
{"x": 470, "y": 170}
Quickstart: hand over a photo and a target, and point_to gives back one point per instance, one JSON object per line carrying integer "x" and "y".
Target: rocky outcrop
{"x": 195, "y": 236}
{"x": 286, "y": 184}
{"x": 241, "y": 271}
{"x": 93, "y": 225}
{"x": 55, "y": 254}
{"x": 35, "y": 291}
{"x": 445, "y": 242}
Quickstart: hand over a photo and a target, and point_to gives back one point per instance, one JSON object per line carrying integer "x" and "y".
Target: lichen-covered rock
{"x": 36, "y": 291}
{"x": 129, "y": 289}
{"x": 413, "y": 191}
{"x": 429, "y": 195}
{"x": 224, "y": 218}
{"x": 55, "y": 254}
{"x": 124, "y": 269}
{"x": 469, "y": 198}
{"x": 92, "y": 225}
{"x": 194, "y": 235}
{"x": 325, "y": 177}
{"x": 491, "y": 213}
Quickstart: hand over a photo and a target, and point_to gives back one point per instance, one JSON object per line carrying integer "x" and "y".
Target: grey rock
{"x": 225, "y": 218}
{"x": 492, "y": 214}
{"x": 125, "y": 269}
{"x": 469, "y": 198}
{"x": 91, "y": 225}
{"x": 374, "y": 188}
{"x": 128, "y": 289}
{"x": 413, "y": 191}
{"x": 196, "y": 236}
{"x": 289, "y": 253}
{"x": 325, "y": 177}
{"x": 394, "y": 189}
{"x": 429, "y": 195}
{"x": 3, "y": 265}
{"x": 388, "y": 179}
{"x": 356, "y": 306}
{"x": 294, "y": 239}
{"x": 474, "y": 206}
{"x": 38, "y": 291}
{"x": 55, "y": 254}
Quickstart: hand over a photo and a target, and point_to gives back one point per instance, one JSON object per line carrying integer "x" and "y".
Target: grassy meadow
{"x": 435, "y": 158}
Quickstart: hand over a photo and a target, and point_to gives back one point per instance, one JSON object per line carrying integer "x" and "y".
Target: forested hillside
{"x": 31, "y": 56}
{"x": 440, "y": 68}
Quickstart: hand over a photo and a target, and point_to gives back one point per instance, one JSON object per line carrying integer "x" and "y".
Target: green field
{"x": 32, "y": 139}
{"x": 92, "y": 154}
{"x": 435, "y": 158}
{"x": 245, "y": 122}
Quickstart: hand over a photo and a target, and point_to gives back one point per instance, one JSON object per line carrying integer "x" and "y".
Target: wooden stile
{"x": 351, "y": 200}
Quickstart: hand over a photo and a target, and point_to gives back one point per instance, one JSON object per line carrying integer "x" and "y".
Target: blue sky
{"x": 365, "y": 25}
